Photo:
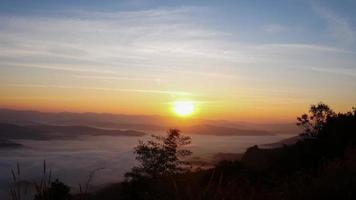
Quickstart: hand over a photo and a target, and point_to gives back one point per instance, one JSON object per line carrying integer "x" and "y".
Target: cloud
{"x": 343, "y": 72}
{"x": 157, "y": 39}
{"x": 178, "y": 93}
{"x": 135, "y": 39}
{"x": 308, "y": 48}
{"x": 338, "y": 27}
{"x": 274, "y": 28}
{"x": 56, "y": 68}
{"x": 116, "y": 78}
{"x": 175, "y": 45}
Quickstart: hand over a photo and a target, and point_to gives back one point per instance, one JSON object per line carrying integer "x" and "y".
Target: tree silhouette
{"x": 56, "y": 191}
{"x": 315, "y": 121}
{"x": 162, "y": 156}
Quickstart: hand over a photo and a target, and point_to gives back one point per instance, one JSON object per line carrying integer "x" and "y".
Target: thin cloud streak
{"x": 178, "y": 93}
{"x": 304, "y": 47}
{"x": 334, "y": 71}
{"x": 116, "y": 78}
{"x": 56, "y": 68}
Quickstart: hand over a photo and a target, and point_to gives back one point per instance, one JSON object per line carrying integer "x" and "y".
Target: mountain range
{"x": 20, "y": 124}
{"x": 145, "y": 123}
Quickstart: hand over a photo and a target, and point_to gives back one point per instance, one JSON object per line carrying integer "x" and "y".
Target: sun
{"x": 184, "y": 108}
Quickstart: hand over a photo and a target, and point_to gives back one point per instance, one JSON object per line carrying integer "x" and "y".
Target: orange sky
{"x": 74, "y": 100}
{"x": 235, "y": 65}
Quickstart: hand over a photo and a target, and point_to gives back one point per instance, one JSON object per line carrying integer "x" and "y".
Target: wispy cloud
{"x": 114, "y": 78}
{"x": 274, "y": 28}
{"x": 147, "y": 38}
{"x": 338, "y": 27}
{"x": 176, "y": 93}
{"x": 344, "y": 72}
{"x": 171, "y": 45}
{"x": 56, "y": 68}
{"x": 309, "y": 48}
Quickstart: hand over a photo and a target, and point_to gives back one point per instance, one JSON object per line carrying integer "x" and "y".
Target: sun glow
{"x": 184, "y": 108}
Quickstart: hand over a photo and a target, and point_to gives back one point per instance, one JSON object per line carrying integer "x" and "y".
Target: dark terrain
{"x": 320, "y": 165}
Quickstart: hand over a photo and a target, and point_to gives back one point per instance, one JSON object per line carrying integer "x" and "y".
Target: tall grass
{"x": 84, "y": 189}
{"x": 20, "y": 188}
{"x": 45, "y": 181}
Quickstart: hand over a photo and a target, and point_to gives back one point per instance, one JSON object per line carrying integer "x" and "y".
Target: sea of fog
{"x": 72, "y": 160}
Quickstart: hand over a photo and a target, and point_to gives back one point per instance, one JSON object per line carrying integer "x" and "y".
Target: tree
{"x": 56, "y": 191}
{"x": 316, "y": 120}
{"x": 162, "y": 156}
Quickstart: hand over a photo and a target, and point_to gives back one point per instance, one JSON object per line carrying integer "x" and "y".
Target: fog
{"x": 72, "y": 160}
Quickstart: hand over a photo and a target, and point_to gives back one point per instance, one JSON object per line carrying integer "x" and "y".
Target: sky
{"x": 236, "y": 60}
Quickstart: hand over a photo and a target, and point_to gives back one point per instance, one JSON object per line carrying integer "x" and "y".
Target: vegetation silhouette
{"x": 56, "y": 191}
{"x": 321, "y": 165}
{"x": 43, "y": 189}
{"x": 316, "y": 120}
{"x": 161, "y": 156}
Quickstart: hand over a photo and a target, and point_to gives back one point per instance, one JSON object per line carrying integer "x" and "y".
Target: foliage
{"x": 45, "y": 188}
{"x": 162, "y": 156}
{"x": 56, "y": 191}
{"x": 317, "y": 118}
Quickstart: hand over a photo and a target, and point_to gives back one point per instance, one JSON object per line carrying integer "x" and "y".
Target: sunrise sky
{"x": 236, "y": 60}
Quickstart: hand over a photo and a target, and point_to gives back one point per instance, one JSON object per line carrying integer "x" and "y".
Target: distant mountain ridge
{"x": 223, "y": 131}
{"x": 143, "y": 123}
{"x": 5, "y": 144}
{"x": 68, "y": 118}
{"x": 48, "y": 132}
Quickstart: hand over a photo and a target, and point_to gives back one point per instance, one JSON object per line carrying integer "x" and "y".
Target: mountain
{"x": 48, "y": 132}
{"x": 287, "y": 141}
{"x": 286, "y": 128}
{"x": 223, "y": 131}
{"x": 5, "y": 144}
{"x": 143, "y": 122}
{"x": 101, "y": 120}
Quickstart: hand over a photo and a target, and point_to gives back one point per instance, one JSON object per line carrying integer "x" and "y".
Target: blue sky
{"x": 314, "y": 18}
{"x": 228, "y": 55}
